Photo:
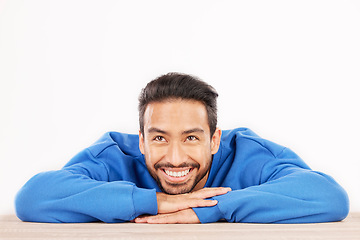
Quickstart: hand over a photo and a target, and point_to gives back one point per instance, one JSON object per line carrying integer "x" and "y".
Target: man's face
{"x": 177, "y": 144}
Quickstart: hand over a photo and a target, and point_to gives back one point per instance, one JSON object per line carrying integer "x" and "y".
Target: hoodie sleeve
{"x": 287, "y": 192}
{"x": 81, "y": 192}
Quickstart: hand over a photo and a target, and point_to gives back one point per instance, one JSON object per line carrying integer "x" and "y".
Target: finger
{"x": 141, "y": 219}
{"x": 188, "y": 203}
{"x": 184, "y": 216}
{"x": 209, "y": 192}
{"x": 200, "y": 203}
{"x": 196, "y": 202}
{"x": 164, "y": 220}
{"x": 174, "y": 203}
{"x": 160, "y": 218}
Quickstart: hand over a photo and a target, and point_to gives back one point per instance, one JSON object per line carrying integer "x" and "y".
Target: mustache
{"x": 182, "y": 165}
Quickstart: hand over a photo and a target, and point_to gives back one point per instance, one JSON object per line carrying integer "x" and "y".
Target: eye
{"x": 192, "y": 138}
{"x": 159, "y": 139}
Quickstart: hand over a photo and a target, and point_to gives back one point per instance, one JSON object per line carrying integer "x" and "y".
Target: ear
{"x": 215, "y": 141}
{"x": 141, "y": 143}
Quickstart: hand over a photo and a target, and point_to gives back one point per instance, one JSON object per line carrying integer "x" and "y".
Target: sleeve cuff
{"x": 144, "y": 201}
{"x": 208, "y": 214}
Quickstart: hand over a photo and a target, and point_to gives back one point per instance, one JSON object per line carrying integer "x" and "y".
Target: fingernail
{"x": 138, "y": 220}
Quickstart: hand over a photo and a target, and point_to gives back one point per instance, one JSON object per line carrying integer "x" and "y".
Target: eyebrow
{"x": 193, "y": 130}
{"x": 156, "y": 130}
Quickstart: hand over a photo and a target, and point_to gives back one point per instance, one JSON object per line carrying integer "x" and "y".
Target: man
{"x": 181, "y": 168}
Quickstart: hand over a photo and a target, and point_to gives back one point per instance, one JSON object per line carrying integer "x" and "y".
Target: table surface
{"x": 13, "y": 228}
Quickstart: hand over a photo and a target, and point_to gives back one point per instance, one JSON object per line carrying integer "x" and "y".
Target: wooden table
{"x": 12, "y": 228}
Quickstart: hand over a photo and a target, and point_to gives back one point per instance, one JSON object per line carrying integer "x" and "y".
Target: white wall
{"x": 71, "y": 70}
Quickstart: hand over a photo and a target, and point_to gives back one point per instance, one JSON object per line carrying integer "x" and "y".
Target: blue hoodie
{"x": 109, "y": 182}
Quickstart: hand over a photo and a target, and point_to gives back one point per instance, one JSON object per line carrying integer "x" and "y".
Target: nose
{"x": 176, "y": 155}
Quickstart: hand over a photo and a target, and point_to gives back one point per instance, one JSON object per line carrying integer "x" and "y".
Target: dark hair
{"x": 179, "y": 86}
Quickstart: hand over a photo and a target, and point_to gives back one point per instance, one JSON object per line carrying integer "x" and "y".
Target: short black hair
{"x": 179, "y": 86}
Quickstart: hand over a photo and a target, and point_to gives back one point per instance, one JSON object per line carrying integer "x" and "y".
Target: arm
{"x": 288, "y": 192}
{"x": 80, "y": 192}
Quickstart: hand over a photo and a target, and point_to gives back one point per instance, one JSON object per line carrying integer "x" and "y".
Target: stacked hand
{"x": 178, "y": 208}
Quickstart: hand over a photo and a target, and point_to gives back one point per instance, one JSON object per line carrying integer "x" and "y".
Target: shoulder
{"x": 128, "y": 144}
{"x": 246, "y": 140}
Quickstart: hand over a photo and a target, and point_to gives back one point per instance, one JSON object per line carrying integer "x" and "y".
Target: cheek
{"x": 153, "y": 155}
{"x": 201, "y": 155}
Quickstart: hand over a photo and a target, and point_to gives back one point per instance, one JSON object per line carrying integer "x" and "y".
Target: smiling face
{"x": 177, "y": 144}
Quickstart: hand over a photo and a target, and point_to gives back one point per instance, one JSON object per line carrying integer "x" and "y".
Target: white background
{"x": 71, "y": 70}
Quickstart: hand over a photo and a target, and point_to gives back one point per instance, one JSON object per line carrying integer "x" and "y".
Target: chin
{"x": 174, "y": 189}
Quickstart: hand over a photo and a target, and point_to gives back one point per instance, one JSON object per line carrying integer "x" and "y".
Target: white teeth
{"x": 177, "y": 174}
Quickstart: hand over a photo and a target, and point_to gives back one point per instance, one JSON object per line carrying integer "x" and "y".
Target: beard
{"x": 178, "y": 188}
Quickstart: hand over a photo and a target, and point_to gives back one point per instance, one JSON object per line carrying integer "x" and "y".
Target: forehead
{"x": 176, "y": 115}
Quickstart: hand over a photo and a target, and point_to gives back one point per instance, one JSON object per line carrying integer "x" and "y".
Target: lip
{"x": 172, "y": 179}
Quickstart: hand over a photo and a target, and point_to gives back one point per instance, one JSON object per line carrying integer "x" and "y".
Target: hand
{"x": 178, "y": 208}
{"x": 173, "y": 203}
{"x": 182, "y": 216}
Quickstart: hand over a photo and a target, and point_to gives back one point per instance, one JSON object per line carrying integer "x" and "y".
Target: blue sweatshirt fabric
{"x": 109, "y": 182}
